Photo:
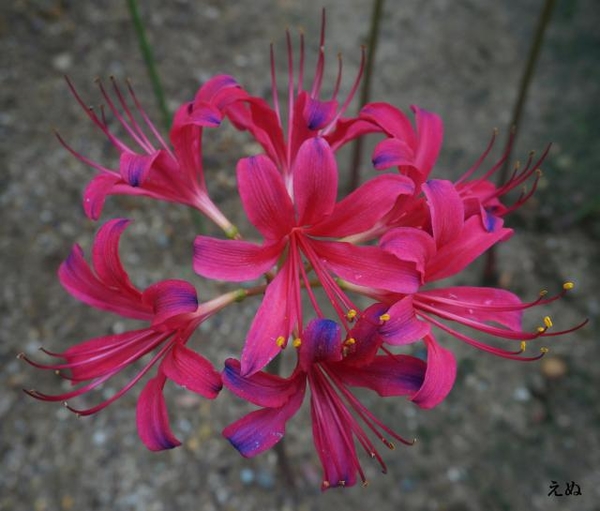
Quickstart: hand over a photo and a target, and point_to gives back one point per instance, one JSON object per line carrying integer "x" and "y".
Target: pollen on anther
{"x": 384, "y": 317}
{"x": 350, "y": 341}
{"x": 548, "y": 321}
{"x": 568, "y": 285}
{"x": 280, "y": 341}
{"x": 543, "y": 292}
{"x": 297, "y": 342}
{"x": 351, "y": 314}
{"x": 543, "y": 349}
{"x": 523, "y": 345}
{"x": 541, "y": 329}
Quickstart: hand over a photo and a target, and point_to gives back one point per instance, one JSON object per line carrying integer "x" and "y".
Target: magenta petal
{"x": 473, "y": 241}
{"x": 134, "y": 168}
{"x": 349, "y": 129}
{"x": 392, "y": 152}
{"x": 275, "y": 318}
{"x": 409, "y": 244}
{"x": 105, "y": 253}
{"x": 216, "y": 87}
{"x": 366, "y": 205}
{"x": 318, "y": 114}
{"x": 261, "y": 389}
{"x": 260, "y": 430}
{"x": 95, "y": 194}
{"x": 446, "y": 208}
{"x": 403, "y": 327}
{"x": 368, "y": 266}
{"x": 430, "y": 131}
{"x": 483, "y": 304}
{"x": 232, "y": 260}
{"x": 439, "y": 377}
{"x": 152, "y": 418}
{"x": 191, "y": 371}
{"x": 186, "y": 138}
{"x": 395, "y": 123}
{"x": 205, "y": 115}
{"x": 264, "y": 197}
{"x": 315, "y": 181}
{"x": 170, "y": 298}
{"x": 321, "y": 342}
{"x": 388, "y": 375}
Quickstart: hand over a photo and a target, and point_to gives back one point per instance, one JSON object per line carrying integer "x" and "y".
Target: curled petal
{"x": 170, "y": 298}
{"x": 260, "y": 430}
{"x": 409, "y": 244}
{"x": 95, "y": 194}
{"x": 393, "y": 121}
{"x": 191, "y": 371}
{"x": 205, "y": 115}
{"x": 318, "y": 114}
{"x": 430, "y": 132}
{"x": 232, "y": 260}
{"x": 152, "y": 417}
{"x": 261, "y": 389}
{"x": 403, "y": 327}
{"x": 392, "y": 152}
{"x": 105, "y": 254}
{"x": 388, "y": 375}
{"x": 134, "y": 168}
{"x": 439, "y": 377}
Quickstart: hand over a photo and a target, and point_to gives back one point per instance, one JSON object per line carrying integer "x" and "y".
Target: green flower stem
{"x": 149, "y": 61}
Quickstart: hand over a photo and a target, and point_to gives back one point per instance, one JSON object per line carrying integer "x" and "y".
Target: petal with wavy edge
{"x": 261, "y": 389}
{"x": 368, "y": 266}
{"x": 439, "y": 377}
{"x": 393, "y": 121}
{"x": 260, "y": 430}
{"x": 446, "y": 210}
{"x": 191, "y": 371}
{"x": 364, "y": 207}
{"x": 264, "y": 197}
{"x": 403, "y": 327}
{"x": 315, "y": 181}
{"x": 152, "y": 417}
{"x": 105, "y": 254}
{"x": 347, "y": 130}
{"x": 233, "y": 260}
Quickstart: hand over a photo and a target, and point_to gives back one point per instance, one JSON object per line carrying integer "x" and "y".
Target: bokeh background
{"x": 506, "y": 431}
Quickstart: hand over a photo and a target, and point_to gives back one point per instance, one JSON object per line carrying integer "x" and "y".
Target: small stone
{"x": 553, "y": 367}
{"x": 247, "y": 476}
{"x": 521, "y": 394}
{"x": 62, "y": 61}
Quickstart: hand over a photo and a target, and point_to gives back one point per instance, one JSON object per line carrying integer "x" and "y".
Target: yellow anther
{"x": 543, "y": 349}
{"x": 297, "y": 342}
{"x": 543, "y": 292}
{"x": 568, "y": 285}
{"x": 541, "y": 329}
{"x": 384, "y": 317}
{"x": 350, "y": 341}
{"x": 547, "y": 321}
{"x": 351, "y": 314}
{"x": 280, "y": 341}
{"x": 523, "y": 345}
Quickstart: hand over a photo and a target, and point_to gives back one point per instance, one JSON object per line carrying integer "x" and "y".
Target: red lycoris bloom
{"x": 330, "y": 366}
{"x": 172, "y": 308}
{"x": 304, "y": 224}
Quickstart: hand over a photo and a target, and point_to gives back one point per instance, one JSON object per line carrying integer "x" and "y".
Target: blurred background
{"x": 507, "y": 430}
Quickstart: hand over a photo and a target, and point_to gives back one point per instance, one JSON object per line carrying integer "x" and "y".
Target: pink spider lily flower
{"x": 306, "y": 224}
{"x": 172, "y": 309}
{"x": 451, "y": 244}
{"x": 329, "y": 366}
{"x": 150, "y": 167}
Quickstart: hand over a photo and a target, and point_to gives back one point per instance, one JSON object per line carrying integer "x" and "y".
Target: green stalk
{"x": 365, "y": 92}
{"x": 146, "y": 50}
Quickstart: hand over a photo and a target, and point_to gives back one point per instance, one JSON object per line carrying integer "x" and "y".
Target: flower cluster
{"x": 346, "y": 284}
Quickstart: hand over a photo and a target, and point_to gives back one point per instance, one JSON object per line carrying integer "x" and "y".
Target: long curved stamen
{"x": 83, "y": 158}
{"x": 274, "y": 92}
{"x": 479, "y": 160}
{"x": 318, "y": 80}
{"x": 513, "y": 355}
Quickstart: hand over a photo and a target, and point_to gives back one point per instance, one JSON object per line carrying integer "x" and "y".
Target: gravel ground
{"x": 506, "y": 431}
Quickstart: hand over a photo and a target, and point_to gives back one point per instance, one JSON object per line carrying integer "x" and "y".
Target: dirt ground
{"x": 506, "y": 431}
